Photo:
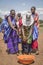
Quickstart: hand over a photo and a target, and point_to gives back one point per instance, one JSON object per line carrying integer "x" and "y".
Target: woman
{"x": 3, "y": 27}
{"x": 27, "y": 33}
{"x": 12, "y": 44}
{"x": 35, "y": 30}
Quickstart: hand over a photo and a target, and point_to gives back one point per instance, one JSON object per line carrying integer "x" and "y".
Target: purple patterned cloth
{"x": 13, "y": 42}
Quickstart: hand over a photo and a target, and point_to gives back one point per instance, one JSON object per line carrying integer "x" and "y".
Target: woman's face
{"x": 12, "y": 13}
{"x": 17, "y": 18}
{"x": 32, "y": 10}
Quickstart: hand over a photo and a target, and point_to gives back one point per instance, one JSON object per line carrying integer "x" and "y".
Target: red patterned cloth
{"x": 35, "y": 44}
{"x": 20, "y": 22}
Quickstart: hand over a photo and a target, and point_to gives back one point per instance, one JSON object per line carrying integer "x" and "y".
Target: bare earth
{"x": 10, "y": 59}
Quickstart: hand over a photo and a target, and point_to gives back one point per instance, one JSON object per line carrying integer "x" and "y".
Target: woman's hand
{"x": 16, "y": 30}
{"x": 24, "y": 39}
{"x": 2, "y": 31}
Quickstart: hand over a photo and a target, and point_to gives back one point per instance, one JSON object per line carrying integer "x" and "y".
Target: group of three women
{"x": 14, "y": 34}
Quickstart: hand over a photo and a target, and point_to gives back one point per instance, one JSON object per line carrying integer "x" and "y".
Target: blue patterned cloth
{"x": 5, "y": 26}
{"x": 7, "y": 29}
{"x": 35, "y": 32}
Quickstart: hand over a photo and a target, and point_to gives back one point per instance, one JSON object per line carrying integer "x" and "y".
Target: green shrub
{"x": 41, "y": 21}
{"x": 0, "y": 20}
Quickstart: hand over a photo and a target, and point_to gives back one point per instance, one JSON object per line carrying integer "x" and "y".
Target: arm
{"x": 30, "y": 32}
{"x": 37, "y": 20}
{"x": 38, "y": 25}
{"x": 10, "y": 23}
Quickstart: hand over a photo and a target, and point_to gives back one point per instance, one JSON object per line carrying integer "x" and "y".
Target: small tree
{"x": 0, "y": 20}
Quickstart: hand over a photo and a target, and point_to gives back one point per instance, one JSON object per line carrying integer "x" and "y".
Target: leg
{"x": 10, "y": 46}
{"x": 25, "y": 48}
{"x": 20, "y": 47}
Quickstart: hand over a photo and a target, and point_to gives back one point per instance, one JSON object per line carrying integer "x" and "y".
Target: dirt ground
{"x": 10, "y": 59}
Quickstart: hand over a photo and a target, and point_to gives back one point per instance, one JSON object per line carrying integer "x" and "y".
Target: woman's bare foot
{"x": 37, "y": 52}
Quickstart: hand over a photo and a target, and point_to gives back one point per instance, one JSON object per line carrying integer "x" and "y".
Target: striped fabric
{"x": 5, "y": 26}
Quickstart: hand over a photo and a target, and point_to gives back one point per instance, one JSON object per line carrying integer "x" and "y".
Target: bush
{"x": 0, "y": 20}
{"x": 41, "y": 21}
